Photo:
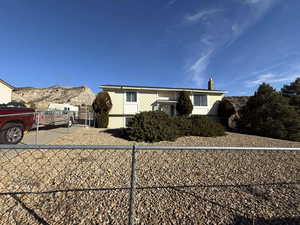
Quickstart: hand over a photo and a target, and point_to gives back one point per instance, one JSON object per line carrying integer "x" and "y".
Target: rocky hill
{"x": 237, "y": 101}
{"x": 42, "y": 97}
{"x": 230, "y": 109}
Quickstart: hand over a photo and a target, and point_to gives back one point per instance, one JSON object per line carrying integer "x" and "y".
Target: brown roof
{"x": 7, "y": 84}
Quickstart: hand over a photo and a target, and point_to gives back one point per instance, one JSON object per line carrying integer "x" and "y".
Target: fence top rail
{"x": 145, "y": 147}
{"x": 92, "y": 147}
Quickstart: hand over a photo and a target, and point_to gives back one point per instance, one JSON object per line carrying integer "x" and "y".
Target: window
{"x": 128, "y": 121}
{"x": 131, "y": 97}
{"x": 200, "y": 100}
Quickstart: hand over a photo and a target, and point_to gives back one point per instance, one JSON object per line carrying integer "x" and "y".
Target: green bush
{"x": 184, "y": 105}
{"x": 203, "y": 126}
{"x": 152, "y": 126}
{"x": 101, "y": 106}
{"x": 183, "y": 125}
{"x": 225, "y": 110}
{"x": 269, "y": 114}
{"x": 157, "y": 126}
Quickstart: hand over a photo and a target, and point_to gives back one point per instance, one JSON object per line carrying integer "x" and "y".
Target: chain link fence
{"x": 51, "y": 184}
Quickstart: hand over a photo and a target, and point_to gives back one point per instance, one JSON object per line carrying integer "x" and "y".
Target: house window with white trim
{"x": 200, "y": 100}
{"x": 131, "y": 97}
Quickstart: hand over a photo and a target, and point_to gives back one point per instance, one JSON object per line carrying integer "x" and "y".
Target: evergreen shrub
{"x": 269, "y": 114}
{"x": 184, "y": 105}
{"x": 154, "y": 126}
{"x": 205, "y": 127}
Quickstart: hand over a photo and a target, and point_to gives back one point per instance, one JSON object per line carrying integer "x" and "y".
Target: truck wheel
{"x": 12, "y": 133}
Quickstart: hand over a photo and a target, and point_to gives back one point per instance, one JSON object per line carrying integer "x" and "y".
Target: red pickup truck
{"x": 13, "y": 122}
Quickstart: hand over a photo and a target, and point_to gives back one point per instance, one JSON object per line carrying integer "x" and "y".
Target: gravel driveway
{"x": 182, "y": 187}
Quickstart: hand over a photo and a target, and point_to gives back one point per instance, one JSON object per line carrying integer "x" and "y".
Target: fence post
{"x": 37, "y": 128}
{"x": 131, "y": 215}
{"x": 86, "y": 115}
{"x": 69, "y": 121}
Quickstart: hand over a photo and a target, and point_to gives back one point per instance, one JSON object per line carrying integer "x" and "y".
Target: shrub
{"x": 152, "y": 126}
{"x": 203, "y": 126}
{"x": 183, "y": 125}
{"x": 225, "y": 110}
{"x": 156, "y": 126}
{"x": 102, "y": 105}
{"x": 269, "y": 114}
{"x": 292, "y": 89}
{"x": 184, "y": 105}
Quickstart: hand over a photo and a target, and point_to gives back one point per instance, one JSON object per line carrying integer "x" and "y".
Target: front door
{"x": 167, "y": 108}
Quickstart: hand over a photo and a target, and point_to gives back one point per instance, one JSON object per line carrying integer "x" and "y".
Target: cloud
{"x": 171, "y": 2}
{"x": 271, "y": 78}
{"x": 221, "y": 30}
{"x": 198, "y": 69}
{"x": 257, "y": 10}
{"x": 253, "y": 1}
{"x": 201, "y": 15}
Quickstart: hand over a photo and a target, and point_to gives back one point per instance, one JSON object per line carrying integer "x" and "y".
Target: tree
{"x": 102, "y": 105}
{"x": 292, "y": 89}
{"x": 268, "y": 113}
{"x": 184, "y": 105}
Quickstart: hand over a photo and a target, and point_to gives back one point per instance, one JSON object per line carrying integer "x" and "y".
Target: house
{"x": 129, "y": 100}
{"x": 5, "y": 92}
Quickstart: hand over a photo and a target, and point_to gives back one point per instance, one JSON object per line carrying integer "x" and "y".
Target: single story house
{"x": 129, "y": 100}
{"x": 5, "y": 92}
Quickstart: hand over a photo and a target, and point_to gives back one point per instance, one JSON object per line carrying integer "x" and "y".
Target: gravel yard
{"x": 92, "y": 136}
{"x": 173, "y": 187}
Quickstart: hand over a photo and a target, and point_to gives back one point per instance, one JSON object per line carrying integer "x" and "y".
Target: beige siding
{"x": 146, "y": 99}
{"x": 5, "y": 94}
{"x": 117, "y": 101}
{"x": 116, "y": 122}
{"x": 213, "y": 101}
{"x": 211, "y": 108}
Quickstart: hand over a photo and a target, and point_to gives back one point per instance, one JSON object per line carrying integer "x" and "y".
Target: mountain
{"x": 42, "y": 97}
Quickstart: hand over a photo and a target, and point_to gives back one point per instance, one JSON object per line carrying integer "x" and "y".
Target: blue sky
{"x": 175, "y": 43}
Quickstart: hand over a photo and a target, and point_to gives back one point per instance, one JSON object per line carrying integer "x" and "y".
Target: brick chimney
{"x": 211, "y": 84}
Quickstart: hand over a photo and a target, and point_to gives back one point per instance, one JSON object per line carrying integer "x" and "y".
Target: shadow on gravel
{"x": 240, "y": 220}
{"x": 30, "y": 211}
{"x": 119, "y": 133}
{"x": 241, "y": 217}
